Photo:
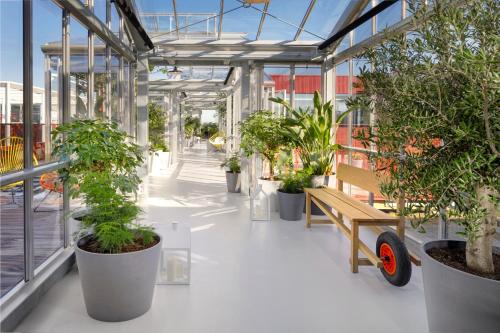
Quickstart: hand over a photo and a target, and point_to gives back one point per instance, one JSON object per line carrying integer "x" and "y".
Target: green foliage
{"x": 209, "y": 129}
{"x": 311, "y": 132}
{"x": 262, "y": 133}
{"x": 192, "y": 126}
{"x": 295, "y": 182}
{"x": 222, "y": 107}
{"x": 102, "y": 170}
{"x": 436, "y": 95}
{"x": 233, "y": 163}
{"x": 157, "y": 121}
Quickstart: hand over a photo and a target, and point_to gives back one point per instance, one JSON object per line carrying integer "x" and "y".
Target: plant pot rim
{"x": 281, "y": 191}
{"x": 233, "y": 172}
{"x": 270, "y": 180}
{"x": 77, "y": 248}
{"x": 429, "y": 244}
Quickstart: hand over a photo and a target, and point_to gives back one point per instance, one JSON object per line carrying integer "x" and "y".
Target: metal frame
{"x": 304, "y": 19}
{"x": 221, "y": 15}
{"x": 262, "y": 19}
{"x": 176, "y": 18}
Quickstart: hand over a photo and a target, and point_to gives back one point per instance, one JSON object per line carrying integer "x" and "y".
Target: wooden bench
{"x": 358, "y": 213}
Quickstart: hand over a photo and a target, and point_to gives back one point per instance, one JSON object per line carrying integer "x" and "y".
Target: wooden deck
{"x": 48, "y": 234}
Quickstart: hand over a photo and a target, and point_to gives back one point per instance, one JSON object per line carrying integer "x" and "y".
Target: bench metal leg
{"x": 354, "y": 246}
{"x": 308, "y": 210}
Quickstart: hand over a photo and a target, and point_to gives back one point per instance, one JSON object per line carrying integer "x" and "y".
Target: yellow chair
{"x": 218, "y": 140}
{"x": 11, "y": 159}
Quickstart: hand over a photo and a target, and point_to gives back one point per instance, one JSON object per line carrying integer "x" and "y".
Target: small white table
{"x": 175, "y": 258}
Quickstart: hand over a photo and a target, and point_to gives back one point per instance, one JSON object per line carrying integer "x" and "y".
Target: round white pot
{"x": 117, "y": 287}
{"x": 457, "y": 301}
{"x": 270, "y": 188}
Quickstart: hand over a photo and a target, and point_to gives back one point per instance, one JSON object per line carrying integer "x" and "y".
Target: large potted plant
{"x": 233, "y": 173}
{"x": 437, "y": 134}
{"x": 159, "y": 154}
{"x": 117, "y": 257}
{"x": 313, "y": 132}
{"x": 291, "y": 195}
{"x": 262, "y": 133}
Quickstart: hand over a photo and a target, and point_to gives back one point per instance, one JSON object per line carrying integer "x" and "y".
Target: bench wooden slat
{"x": 369, "y": 210}
{"x": 339, "y": 205}
{"x": 364, "y": 179}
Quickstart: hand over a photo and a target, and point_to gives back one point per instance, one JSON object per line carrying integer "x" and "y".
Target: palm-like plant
{"x": 313, "y": 132}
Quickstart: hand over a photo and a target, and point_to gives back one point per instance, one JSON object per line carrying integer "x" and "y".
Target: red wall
{"x": 308, "y": 84}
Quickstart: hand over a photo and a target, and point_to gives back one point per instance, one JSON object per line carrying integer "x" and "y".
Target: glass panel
{"x": 307, "y": 81}
{"x": 47, "y": 70}
{"x": 11, "y": 86}
{"x": 100, "y": 78}
{"x": 389, "y": 16}
{"x": 365, "y": 30}
{"x": 341, "y": 93}
{"x": 242, "y": 22}
{"x": 126, "y": 97}
{"x": 100, "y": 9}
{"x": 116, "y": 115}
{"x": 115, "y": 20}
{"x": 79, "y": 71}
{"x": 360, "y": 118}
{"x": 48, "y": 227}
{"x": 293, "y": 13}
{"x": 323, "y": 18}
{"x": 11, "y": 235}
{"x": 276, "y": 84}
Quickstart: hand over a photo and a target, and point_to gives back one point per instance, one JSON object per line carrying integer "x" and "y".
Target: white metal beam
{"x": 221, "y": 15}
{"x": 176, "y": 18}
{"x": 262, "y": 19}
{"x": 304, "y": 19}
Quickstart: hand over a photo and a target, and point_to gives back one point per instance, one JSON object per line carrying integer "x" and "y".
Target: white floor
{"x": 246, "y": 276}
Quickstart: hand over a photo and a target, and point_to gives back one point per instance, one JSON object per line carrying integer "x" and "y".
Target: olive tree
{"x": 435, "y": 92}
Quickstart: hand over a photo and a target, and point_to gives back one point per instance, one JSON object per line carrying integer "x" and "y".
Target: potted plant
{"x": 437, "y": 138}
{"x": 313, "y": 132}
{"x": 233, "y": 173}
{"x": 262, "y": 133}
{"x": 117, "y": 257}
{"x": 291, "y": 195}
{"x": 159, "y": 154}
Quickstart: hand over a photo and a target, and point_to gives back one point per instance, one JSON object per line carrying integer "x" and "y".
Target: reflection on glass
{"x": 307, "y": 81}
{"x": 47, "y": 68}
{"x": 48, "y": 227}
{"x": 360, "y": 118}
{"x": 341, "y": 94}
{"x": 100, "y": 78}
{"x": 276, "y": 84}
{"x": 116, "y": 115}
{"x": 79, "y": 69}
{"x": 11, "y": 86}
{"x": 11, "y": 236}
{"x": 100, "y": 9}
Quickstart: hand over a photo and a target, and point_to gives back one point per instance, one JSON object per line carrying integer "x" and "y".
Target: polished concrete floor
{"x": 246, "y": 276}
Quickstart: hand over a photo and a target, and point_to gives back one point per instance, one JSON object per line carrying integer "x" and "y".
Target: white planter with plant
{"x": 262, "y": 133}
{"x": 437, "y": 134}
{"x": 117, "y": 257}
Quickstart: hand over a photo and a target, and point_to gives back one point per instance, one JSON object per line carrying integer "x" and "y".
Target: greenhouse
{"x": 249, "y": 166}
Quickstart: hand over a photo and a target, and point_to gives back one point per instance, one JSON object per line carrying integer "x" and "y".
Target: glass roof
{"x": 200, "y": 19}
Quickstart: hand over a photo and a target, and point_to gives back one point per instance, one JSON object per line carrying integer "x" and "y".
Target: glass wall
{"x": 307, "y": 81}
{"x": 12, "y": 260}
{"x": 35, "y": 183}
{"x": 276, "y": 84}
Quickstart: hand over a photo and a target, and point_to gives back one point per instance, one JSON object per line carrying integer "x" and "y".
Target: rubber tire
{"x": 403, "y": 264}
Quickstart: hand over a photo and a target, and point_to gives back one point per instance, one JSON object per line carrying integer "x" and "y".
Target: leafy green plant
{"x": 233, "y": 163}
{"x": 192, "y": 126}
{"x": 262, "y": 133}
{"x": 295, "y": 182}
{"x": 157, "y": 120}
{"x": 312, "y": 131}
{"x": 209, "y": 129}
{"x": 102, "y": 170}
{"x": 436, "y": 92}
